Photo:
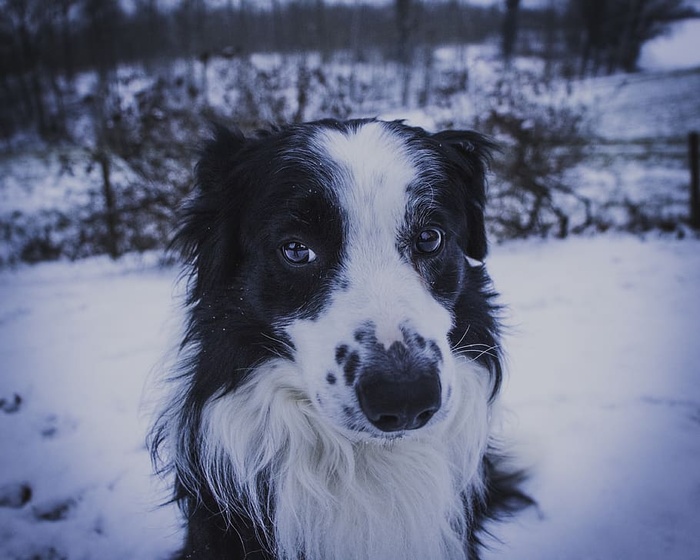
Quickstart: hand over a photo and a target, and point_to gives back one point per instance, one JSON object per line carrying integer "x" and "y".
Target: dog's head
{"x": 348, "y": 248}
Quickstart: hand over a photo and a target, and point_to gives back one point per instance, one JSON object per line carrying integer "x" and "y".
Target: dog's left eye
{"x": 297, "y": 253}
{"x": 429, "y": 241}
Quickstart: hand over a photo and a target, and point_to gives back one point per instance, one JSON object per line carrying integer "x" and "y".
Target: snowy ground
{"x": 605, "y": 397}
{"x": 603, "y": 393}
{"x": 677, "y": 49}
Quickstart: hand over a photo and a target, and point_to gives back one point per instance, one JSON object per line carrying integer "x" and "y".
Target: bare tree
{"x": 102, "y": 18}
{"x": 610, "y": 34}
{"x": 509, "y": 31}
{"x": 64, "y": 8}
{"x": 24, "y": 20}
{"x": 646, "y": 20}
{"x": 405, "y": 25}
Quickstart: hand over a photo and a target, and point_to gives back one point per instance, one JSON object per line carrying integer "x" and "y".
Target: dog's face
{"x": 346, "y": 247}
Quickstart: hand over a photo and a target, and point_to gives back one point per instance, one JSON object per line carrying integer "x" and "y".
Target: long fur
{"x": 270, "y": 452}
{"x": 327, "y": 490}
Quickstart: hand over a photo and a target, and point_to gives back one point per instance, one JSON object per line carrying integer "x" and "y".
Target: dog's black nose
{"x": 392, "y": 404}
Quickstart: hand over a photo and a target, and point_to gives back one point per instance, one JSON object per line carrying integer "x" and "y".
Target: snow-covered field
{"x": 604, "y": 395}
{"x": 77, "y": 343}
{"x": 603, "y": 402}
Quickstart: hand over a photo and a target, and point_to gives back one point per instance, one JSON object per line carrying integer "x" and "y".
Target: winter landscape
{"x": 600, "y": 283}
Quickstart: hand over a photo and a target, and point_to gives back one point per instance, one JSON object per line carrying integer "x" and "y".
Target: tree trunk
{"x": 404, "y": 48}
{"x": 112, "y": 242}
{"x": 510, "y": 29}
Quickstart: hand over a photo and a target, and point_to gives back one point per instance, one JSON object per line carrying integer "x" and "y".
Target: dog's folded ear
{"x": 218, "y": 158}
{"x": 468, "y": 155}
{"x": 204, "y": 238}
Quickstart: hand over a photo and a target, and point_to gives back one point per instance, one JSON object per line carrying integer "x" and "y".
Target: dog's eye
{"x": 297, "y": 253}
{"x": 429, "y": 241}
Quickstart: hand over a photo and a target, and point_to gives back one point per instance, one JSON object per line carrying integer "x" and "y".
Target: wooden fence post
{"x": 694, "y": 156}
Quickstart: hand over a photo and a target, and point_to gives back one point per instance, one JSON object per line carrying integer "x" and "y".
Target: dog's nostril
{"x": 396, "y": 422}
{"x": 424, "y": 417}
{"x": 388, "y": 422}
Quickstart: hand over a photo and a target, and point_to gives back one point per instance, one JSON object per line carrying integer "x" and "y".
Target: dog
{"x": 340, "y": 369}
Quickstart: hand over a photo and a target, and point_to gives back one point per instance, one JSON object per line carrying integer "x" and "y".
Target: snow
{"x": 602, "y": 402}
{"x": 76, "y": 344}
{"x": 679, "y": 49}
{"x": 604, "y": 397}
{"x": 645, "y": 105}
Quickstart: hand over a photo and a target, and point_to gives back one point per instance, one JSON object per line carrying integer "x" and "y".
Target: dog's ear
{"x": 468, "y": 156}
{"x": 204, "y": 238}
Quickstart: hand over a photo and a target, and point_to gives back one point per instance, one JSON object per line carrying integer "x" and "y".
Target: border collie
{"x": 341, "y": 361}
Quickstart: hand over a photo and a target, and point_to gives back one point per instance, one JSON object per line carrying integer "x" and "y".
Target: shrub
{"x": 543, "y": 136}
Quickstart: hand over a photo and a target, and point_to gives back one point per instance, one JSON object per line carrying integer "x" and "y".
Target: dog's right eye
{"x": 429, "y": 241}
{"x": 297, "y": 253}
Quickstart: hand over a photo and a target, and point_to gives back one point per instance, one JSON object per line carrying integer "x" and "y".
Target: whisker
{"x": 284, "y": 343}
{"x": 463, "y": 336}
{"x": 478, "y": 349}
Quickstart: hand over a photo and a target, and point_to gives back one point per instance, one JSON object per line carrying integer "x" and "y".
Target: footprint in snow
{"x": 54, "y": 510}
{"x": 10, "y": 405}
{"x": 15, "y": 495}
{"x": 54, "y": 425}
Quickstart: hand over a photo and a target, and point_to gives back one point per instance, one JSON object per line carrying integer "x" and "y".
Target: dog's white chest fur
{"x": 348, "y": 500}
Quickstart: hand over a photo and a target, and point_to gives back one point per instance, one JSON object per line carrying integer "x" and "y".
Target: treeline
{"x": 45, "y": 44}
{"x": 605, "y": 36}
{"x": 71, "y": 35}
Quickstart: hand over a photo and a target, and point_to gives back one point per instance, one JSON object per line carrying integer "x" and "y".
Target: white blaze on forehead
{"x": 376, "y": 171}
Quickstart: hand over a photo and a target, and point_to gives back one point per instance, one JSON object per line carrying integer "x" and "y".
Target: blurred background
{"x": 103, "y": 103}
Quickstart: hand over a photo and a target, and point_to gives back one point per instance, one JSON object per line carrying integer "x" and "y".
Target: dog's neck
{"x": 267, "y": 451}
